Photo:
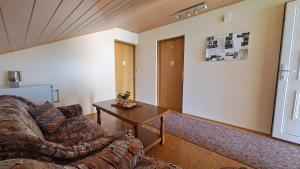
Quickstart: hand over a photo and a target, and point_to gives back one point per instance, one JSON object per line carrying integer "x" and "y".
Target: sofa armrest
{"x": 71, "y": 111}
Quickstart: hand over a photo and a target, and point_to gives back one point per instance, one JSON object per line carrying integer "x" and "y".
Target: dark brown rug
{"x": 250, "y": 149}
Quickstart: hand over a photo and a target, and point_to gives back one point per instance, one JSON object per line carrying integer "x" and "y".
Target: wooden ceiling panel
{"x": 65, "y": 10}
{"x": 105, "y": 14}
{"x": 27, "y": 23}
{"x": 16, "y": 15}
{"x": 42, "y": 13}
{"x": 91, "y": 26}
{"x": 133, "y": 21}
{"x": 97, "y": 8}
{"x": 78, "y": 13}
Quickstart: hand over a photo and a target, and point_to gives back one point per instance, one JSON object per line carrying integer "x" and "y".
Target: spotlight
{"x": 195, "y": 11}
{"x": 205, "y": 6}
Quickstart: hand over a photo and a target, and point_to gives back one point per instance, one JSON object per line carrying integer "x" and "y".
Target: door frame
{"x": 158, "y": 67}
{"x": 134, "y": 54}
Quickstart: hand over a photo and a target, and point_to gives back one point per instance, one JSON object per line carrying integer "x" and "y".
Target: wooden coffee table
{"x": 136, "y": 116}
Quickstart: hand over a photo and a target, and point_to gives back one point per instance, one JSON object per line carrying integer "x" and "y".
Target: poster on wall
{"x": 233, "y": 46}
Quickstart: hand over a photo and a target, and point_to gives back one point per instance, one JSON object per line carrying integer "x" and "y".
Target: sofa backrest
{"x": 15, "y": 118}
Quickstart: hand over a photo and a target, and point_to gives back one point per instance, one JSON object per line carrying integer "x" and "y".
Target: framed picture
{"x": 233, "y": 46}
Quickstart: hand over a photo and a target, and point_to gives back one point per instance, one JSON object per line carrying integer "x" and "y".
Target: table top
{"x": 141, "y": 113}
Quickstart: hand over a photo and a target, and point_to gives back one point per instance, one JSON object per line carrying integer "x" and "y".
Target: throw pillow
{"x": 47, "y": 116}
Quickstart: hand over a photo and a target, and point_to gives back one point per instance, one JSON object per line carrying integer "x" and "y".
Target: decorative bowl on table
{"x": 129, "y": 104}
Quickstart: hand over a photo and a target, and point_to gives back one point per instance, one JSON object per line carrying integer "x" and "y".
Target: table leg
{"x": 162, "y": 130}
{"x": 99, "y": 116}
{"x": 136, "y": 131}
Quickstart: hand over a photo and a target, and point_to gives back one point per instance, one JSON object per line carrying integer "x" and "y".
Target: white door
{"x": 286, "y": 124}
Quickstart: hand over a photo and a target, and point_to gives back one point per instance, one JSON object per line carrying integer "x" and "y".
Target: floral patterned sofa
{"x": 78, "y": 143}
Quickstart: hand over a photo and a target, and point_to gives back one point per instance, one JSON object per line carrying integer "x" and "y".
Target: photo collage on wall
{"x": 233, "y": 46}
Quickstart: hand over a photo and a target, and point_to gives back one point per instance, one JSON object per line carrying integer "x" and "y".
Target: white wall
{"x": 82, "y": 68}
{"x": 240, "y": 93}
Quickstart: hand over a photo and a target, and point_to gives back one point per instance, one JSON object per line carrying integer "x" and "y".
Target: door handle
{"x": 284, "y": 70}
{"x": 289, "y": 70}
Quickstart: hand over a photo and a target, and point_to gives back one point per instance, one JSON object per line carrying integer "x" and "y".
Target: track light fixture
{"x": 194, "y": 10}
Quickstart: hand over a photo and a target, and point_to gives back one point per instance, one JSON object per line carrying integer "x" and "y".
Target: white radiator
{"x": 38, "y": 94}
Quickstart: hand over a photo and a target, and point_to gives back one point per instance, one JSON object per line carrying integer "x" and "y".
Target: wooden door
{"x": 124, "y": 63}
{"x": 170, "y": 73}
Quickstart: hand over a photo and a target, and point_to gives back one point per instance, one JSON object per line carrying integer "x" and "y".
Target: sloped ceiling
{"x": 28, "y": 23}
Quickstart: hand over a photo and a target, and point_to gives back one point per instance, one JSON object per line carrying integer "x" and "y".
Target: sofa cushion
{"x": 77, "y": 130}
{"x": 15, "y": 118}
{"x": 26, "y": 103}
{"x": 71, "y": 110}
{"x": 47, "y": 116}
{"x": 18, "y": 145}
{"x": 121, "y": 154}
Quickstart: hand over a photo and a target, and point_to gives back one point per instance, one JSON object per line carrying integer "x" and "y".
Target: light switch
{"x": 227, "y": 18}
{"x": 124, "y": 62}
{"x": 172, "y": 63}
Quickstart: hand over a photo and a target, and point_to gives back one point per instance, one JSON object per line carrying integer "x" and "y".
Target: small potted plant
{"x": 123, "y": 97}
